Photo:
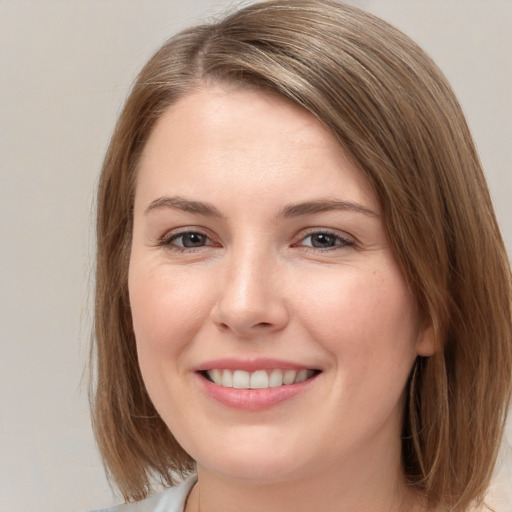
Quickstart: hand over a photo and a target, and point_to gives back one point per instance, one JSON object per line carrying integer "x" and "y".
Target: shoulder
{"x": 171, "y": 500}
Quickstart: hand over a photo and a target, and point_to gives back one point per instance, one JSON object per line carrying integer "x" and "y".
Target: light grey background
{"x": 65, "y": 68}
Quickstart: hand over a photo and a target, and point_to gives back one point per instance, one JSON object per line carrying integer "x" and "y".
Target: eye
{"x": 325, "y": 240}
{"x": 186, "y": 240}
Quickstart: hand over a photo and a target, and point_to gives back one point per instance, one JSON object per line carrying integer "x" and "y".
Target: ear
{"x": 426, "y": 344}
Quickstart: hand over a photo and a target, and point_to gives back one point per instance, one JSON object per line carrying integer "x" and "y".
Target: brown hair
{"x": 393, "y": 111}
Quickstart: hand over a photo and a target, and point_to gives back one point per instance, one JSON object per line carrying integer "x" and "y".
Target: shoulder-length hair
{"x": 393, "y": 112}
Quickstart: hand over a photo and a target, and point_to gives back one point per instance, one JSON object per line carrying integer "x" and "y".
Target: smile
{"x": 259, "y": 379}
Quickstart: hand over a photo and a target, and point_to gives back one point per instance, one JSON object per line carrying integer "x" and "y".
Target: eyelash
{"x": 340, "y": 242}
{"x": 168, "y": 239}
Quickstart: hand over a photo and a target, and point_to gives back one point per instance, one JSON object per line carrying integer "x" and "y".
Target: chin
{"x": 255, "y": 472}
{"x": 258, "y": 460}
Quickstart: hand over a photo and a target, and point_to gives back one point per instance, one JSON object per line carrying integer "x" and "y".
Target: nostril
{"x": 244, "y": 320}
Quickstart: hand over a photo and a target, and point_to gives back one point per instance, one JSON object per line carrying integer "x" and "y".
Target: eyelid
{"x": 346, "y": 239}
{"x": 166, "y": 239}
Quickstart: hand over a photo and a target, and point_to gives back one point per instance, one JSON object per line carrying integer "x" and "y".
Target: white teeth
{"x": 301, "y": 376}
{"x": 241, "y": 379}
{"x": 260, "y": 379}
{"x": 289, "y": 376}
{"x": 226, "y": 381}
{"x": 276, "y": 379}
{"x": 216, "y": 375}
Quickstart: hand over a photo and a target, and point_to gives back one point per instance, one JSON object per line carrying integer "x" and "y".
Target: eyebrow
{"x": 324, "y": 205}
{"x": 290, "y": 210}
{"x": 186, "y": 205}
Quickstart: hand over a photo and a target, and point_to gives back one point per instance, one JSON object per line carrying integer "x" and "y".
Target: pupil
{"x": 322, "y": 240}
{"x": 193, "y": 240}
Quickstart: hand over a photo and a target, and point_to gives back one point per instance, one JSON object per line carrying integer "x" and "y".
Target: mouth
{"x": 259, "y": 379}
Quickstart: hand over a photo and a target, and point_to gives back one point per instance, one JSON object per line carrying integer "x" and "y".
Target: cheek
{"x": 365, "y": 318}
{"x": 167, "y": 311}
{"x": 167, "y": 314}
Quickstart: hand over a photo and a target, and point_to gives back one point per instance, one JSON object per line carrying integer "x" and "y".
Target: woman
{"x": 303, "y": 298}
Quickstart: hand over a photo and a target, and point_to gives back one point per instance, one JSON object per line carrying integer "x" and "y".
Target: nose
{"x": 251, "y": 295}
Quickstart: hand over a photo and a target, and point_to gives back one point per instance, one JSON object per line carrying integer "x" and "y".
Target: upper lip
{"x": 251, "y": 365}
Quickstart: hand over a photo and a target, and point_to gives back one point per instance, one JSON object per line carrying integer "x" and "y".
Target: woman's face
{"x": 260, "y": 259}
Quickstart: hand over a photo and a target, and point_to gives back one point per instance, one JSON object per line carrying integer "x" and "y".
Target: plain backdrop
{"x": 65, "y": 68}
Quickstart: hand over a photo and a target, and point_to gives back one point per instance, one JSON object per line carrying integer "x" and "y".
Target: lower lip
{"x": 253, "y": 399}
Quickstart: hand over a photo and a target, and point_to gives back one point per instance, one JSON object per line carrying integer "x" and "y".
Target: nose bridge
{"x": 250, "y": 297}
{"x": 247, "y": 267}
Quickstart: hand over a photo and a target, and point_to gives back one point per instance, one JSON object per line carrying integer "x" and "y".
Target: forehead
{"x": 253, "y": 140}
{"x": 207, "y": 111}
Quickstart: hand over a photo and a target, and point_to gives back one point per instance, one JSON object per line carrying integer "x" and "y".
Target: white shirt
{"x": 171, "y": 500}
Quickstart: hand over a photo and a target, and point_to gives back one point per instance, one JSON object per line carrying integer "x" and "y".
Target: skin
{"x": 255, "y": 286}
